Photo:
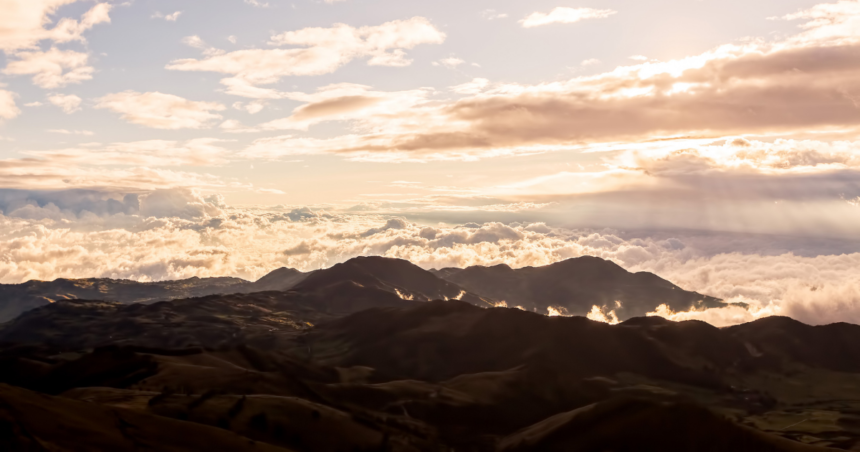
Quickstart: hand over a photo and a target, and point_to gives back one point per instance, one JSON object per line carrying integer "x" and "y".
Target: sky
{"x": 713, "y": 143}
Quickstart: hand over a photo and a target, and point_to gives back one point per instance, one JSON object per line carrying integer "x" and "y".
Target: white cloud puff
{"x": 161, "y": 111}
{"x": 8, "y": 108}
{"x": 69, "y": 103}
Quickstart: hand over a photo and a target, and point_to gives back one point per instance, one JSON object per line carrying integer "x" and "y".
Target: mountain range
{"x": 377, "y": 354}
{"x": 574, "y": 286}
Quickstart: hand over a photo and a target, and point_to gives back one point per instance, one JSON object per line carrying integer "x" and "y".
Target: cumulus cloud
{"x": 53, "y": 68}
{"x": 314, "y": 51}
{"x": 23, "y": 27}
{"x": 564, "y": 15}
{"x": 69, "y": 103}
{"x": 161, "y": 111}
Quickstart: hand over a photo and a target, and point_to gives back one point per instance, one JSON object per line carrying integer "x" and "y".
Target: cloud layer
{"x": 168, "y": 234}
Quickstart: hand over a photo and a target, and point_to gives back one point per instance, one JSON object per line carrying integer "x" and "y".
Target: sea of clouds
{"x": 174, "y": 234}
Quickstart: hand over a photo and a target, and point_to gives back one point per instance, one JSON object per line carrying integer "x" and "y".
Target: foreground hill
{"x": 377, "y": 372}
{"x": 576, "y": 285}
{"x": 262, "y": 319}
{"x": 35, "y": 422}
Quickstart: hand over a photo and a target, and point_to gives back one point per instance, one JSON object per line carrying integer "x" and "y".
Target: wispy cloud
{"x": 321, "y": 51}
{"x": 161, "y": 111}
{"x": 564, "y": 15}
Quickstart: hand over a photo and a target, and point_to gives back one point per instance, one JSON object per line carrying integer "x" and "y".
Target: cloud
{"x": 69, "y": 103}
{"x": 252, "y": 107}
{"x": 71, "y": 132}
{"x": 491, "y": 14}
{"x": 22, "y": 28}
{"x": 564, "y": 15}
{"x": 161, "y": 111}
{"x": 476, "y": 86}
{"x": 314, "y": 51}
{"x": 65, "y": 203}
{"x": 8, "y": 109}
{"x": 136, "y": 166}
{"x": 590, "y": 62}
{"x": 53, "y": 68}
{"x": 172, "y": 17}
{"x": 148, "y": 153}
{"x": 808, "y": 83}
{"x": 22, "y": 25}
{"x": 450, "y": 62}
{"x": 182, "y": 203}
{"x": 348, "y": 102}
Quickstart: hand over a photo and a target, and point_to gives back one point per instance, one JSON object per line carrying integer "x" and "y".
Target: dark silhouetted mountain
{"x": 397, "y": 276}
{"x": 576, "y": 285}
{"x": 17, "y": 298}
{"x": 281, "y": 279}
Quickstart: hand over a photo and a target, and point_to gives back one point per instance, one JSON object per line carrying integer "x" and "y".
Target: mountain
{"x": 397, "y": 276}
{"x": 281, "y": 279}
{"x": 18, "y": 298}
{"x": 576, "y": 285}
